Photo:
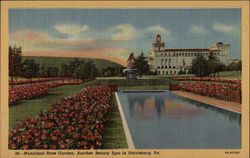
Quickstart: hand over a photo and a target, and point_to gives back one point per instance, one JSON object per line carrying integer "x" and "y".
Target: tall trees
{"x": 141, "y": 64}
{"x": 213, "y": 64}
{"x": 31, "y": 69}
{"x": 15, "y": 62}
{"x": 199, "y": 66}
{"x": 207, "y": 67}
{"x": 79, "y": 68}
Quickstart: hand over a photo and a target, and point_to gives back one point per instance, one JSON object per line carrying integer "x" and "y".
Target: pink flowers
{"x": 76, "y": 123}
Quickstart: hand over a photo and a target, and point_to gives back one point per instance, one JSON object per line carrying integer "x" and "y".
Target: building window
{"x": 159, "y": 72}
{"x": 161, "y": 54}
{"x": 170, "y": 67}
{"x": 163, "y": 72}
{"x": 162, "y": 67}
{"x": 166, "y": 67}
{"x": 158, "y": 67}
{"x": 166, "y": 60}
{"x": 191, "y": 53}
{"x": 174, "y": 54}
{"x": 167, "y": 72}
{"x": 173, "y": 67}
{"x": 170, "y": 72}
{"x": 174, "y": 72}
{"x": 161, "y": 60}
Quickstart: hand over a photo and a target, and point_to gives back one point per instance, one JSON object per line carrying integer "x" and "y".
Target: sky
{"x": 113, "y": 34}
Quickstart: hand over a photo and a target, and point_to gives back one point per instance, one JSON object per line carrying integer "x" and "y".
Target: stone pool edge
{"x": 208, "y": 103}
{"x": 124, "y": 124}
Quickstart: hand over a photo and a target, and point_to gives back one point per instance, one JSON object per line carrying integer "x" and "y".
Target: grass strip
{"x": 114, "y": 136}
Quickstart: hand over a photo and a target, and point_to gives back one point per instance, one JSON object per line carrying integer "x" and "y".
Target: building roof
{"x": 186, "y": 50}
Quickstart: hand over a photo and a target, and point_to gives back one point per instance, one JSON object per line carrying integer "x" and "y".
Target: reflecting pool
{"x": 163, "y": 120}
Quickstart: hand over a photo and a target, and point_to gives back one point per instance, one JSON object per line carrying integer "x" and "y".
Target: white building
{"x": 171, "y": 61}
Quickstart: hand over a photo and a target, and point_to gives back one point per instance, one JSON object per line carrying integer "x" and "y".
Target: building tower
{"x": 158, "y": 45}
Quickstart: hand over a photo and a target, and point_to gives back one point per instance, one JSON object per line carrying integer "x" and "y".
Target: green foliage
{"x": 141, "y": 64}
{"x": 199, "y": 66}
{"x": 79, "y": 68}
{"x": 47, "y": 71}
{"x": 15, "y": 62}
{"x": 235, "y": 66}
{"x": 213, "y": 65}
{"x": 30, "y": 69}
{"x": 182, "y": 72}
{"x": 202, "y": 67}
{"x": 58, "y": 61}
{"x": 111, "y": 71}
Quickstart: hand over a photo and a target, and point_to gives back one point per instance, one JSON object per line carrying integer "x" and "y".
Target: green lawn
{"x": 230, "y": 74}
{"x": 114, "y": 137}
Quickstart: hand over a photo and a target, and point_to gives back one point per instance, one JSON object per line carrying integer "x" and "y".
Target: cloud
{"x": 152, "y": 31}
{"x": 125, "y": 32}
{"x": 28, "y": 35}
{"x": 223, "y": 28}
{"x": 36, "y": 37}
{"x": 71, "y": 29}
{"x": 198, "y": 29}
{"x": 157, "y": 29}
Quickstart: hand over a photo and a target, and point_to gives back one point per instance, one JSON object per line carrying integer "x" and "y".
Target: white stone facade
{"x": 171, "y": 61}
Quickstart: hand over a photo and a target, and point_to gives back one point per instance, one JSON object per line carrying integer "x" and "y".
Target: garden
{"x": 73, "y": 106}
{"x": 76, "y": 123}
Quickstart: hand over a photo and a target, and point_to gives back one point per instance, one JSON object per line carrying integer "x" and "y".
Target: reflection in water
{"x": 156, "y": 105}
{"x": 180, "y": 109}
{"x": 162, "y": 120}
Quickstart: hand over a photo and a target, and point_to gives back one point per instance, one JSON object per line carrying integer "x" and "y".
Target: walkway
{"x": 233, "y": 106}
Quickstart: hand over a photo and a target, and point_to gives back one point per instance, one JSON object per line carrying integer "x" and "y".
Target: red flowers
{"x": 40, "y": 80}
{"x": 219, "y": 91}
{"x": 35, "y": 90}
{"x": 27, "y": 92}
{"x": 76, "y": 123}
{"x": 223, "y": 80}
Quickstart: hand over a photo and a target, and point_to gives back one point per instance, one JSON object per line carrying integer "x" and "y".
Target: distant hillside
{"x": 56, "y": 61}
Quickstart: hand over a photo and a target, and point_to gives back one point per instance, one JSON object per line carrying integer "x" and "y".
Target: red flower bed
{"x": 27, "y": 92}
{"x": 223, "y": 80}
{"x": 35, "y": 90}
{"x": 219, "y": 91}
{"x": 40, "y": 80}
{"x": 76, "y": 123}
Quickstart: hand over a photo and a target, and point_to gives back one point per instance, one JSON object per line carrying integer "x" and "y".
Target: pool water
{"x": 163, "y": 120}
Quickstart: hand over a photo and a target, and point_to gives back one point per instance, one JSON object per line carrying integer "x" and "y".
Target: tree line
{"x": 75, "y": 68}
{"x": 211, "y": 66}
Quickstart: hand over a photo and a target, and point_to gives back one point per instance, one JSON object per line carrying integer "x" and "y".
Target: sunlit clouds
{"x": 114, "y": 33}
{"x": 125, "y": 32}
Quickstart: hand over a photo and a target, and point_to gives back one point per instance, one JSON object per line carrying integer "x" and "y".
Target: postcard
{"x": 125, "y": 79}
